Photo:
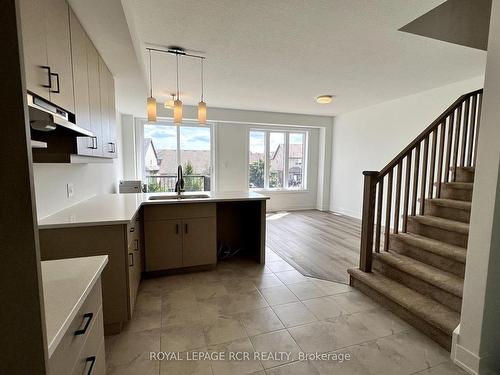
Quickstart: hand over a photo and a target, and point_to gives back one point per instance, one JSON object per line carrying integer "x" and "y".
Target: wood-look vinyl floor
{"x": 318, "y": 244}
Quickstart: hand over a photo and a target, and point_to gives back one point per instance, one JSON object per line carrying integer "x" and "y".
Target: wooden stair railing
{"x": 417, "y": 173}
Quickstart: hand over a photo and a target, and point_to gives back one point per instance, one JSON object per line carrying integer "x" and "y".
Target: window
{"x": 277, "y": 159}
{"x": 166, "y": 146}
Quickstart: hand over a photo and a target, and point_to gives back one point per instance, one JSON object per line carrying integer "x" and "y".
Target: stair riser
{"x": 439, "y": 234}
{"x": 464, "y": 175}
{"x": 440, "y": 295}
{"x": 458, "y": 194}
{"x": 447, "y": 212}
{"x": 442, "y": 338}
{"x": 424, "y": 256}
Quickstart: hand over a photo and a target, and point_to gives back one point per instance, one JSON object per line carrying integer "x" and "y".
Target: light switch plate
{"x": 70, "y": 190}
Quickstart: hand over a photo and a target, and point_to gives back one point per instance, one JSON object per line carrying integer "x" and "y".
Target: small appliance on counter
{"x": 130, "y": 186}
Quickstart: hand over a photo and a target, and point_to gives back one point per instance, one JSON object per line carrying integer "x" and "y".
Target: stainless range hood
{"x": 46, "y": 117}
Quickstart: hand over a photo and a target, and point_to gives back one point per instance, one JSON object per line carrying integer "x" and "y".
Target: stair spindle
{"x": 472, "y": 128}
{"x": 456, "y": 142}
{"x": 464, "y": 132}
{"x": 479, "y": 105}
{"x": 379, "y": 215}
{"x": 406, "y": 199}
{"x": 415, "y": 181}
{"x": 397, "y": 200}
{"x": 388, "y": 211}
{"x": 432, "y": 164}
{"x": 451, "y": 125}
{"x": 442, "y": 129}
{"x": 424, "y": 175}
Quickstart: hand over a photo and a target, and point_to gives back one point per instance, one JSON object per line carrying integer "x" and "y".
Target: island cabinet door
{"x": 163, "y": 240}
{"x": 199, "y": 241}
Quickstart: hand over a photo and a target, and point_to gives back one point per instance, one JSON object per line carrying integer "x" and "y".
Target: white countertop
{"x": 66, "y": 285}
{"x": 121, "y": 208}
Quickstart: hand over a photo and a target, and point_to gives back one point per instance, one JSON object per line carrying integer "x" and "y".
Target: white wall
{"x": 477, "y": 348}
{"x": 370, "y": 138}
{"x": 88, "y": 180}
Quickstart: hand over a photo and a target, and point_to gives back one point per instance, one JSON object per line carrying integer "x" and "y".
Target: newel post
{"x": 368, "y": 220}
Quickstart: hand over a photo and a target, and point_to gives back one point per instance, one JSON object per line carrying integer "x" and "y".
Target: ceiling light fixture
{"x": 151, "y": 101}
{"x": 177, "y": 102}
{"x": 169, "y": 104}
{"x": 324, "y": 99}
{"x": 202, "y": 106}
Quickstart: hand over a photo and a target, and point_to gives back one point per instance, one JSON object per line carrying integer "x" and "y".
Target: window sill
{"x": 285, "y": 191}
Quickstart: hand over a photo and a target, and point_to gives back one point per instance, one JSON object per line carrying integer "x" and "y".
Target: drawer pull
{"x": 132, "y": 229}
{"x": 131, "y": 264}
{"x": 186, "y": 228}
{"x": 176, "y": 228}
{"x": 136, "y": 245}
{"x": 82, "y": 331}
{"x": 92, "y": 361}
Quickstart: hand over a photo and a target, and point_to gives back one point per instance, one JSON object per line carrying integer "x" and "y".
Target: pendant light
{"x": 202, "y": 106}
{"x": 177, "y": 102}
{"x": 151, "y": 102}
{"x": 169, "y": 104}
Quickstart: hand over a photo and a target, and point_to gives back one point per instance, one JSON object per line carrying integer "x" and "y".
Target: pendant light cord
{"x": 177, "y": 58}
{"x": 202, "y": 80}
{"x": 150, "y": 75}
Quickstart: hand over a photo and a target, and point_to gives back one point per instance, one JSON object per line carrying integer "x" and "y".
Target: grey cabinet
{"x": 163, "y": 240}
{"x": 47, "y": 50}
{"x": 79, "y": 40}
{"x": 95, "y": 98}
{"x": 198, "y": 241}
{"x": 183, "y": 235}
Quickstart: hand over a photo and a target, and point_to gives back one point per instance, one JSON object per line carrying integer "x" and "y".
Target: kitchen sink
{"x": 175, "y": 197}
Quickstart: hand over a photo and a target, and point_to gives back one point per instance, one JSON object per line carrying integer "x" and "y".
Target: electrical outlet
{"x": 70, "y": 190}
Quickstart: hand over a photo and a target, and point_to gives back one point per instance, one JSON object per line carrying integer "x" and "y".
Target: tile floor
{"x": 245, "y": 307}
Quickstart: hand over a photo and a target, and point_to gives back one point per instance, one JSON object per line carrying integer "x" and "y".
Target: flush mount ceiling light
{"x": 324, "y": 99}
{"x": 151, "y": 101}
{"x": 176, "y": 102}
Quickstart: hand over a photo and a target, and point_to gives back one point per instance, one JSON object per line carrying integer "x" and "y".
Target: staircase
{"x": 415, "y": 224}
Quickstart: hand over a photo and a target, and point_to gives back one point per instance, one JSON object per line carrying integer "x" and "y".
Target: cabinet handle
{"x": 49, "y": 76}
{"x": 132, "y": 229}
{"x": 136, "y": 245}
{"x": 88, "y": 317}
{"x": 185, "y": 228}
{"x": 56, "y": 91}
{"x": 132, "y": 255}
{"x": 91, "y": 139}
{"x": 92, "y": 361}
{"x": 176, "y": 228}
{"x": 94, "y": 143}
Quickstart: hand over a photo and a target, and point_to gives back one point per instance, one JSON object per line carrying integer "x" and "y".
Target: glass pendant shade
{"x": 202, "y": 112}
{"x": 177, "y": 111}
{"x": 151, "y": 106}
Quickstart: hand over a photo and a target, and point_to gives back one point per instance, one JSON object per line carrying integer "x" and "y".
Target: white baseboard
{"x": 344, "y": 211}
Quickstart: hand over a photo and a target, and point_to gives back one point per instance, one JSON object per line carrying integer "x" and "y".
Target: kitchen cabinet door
{"x": 79, "y": 40}
{"x": 94, "y": 98}
{"x": 112, "y": 115}
{"x": 104, "y": 87}
{"x": 199, "y": 243}
{"x": 35, "y": 46}
{"x": 59, "y": 53}
{"x": 163, "y": 241}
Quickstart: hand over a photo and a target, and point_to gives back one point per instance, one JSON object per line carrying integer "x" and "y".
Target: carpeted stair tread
{"x": 429, "y": 274}
{"x": 438, "y": 222}
{"x": 422, "y": 306}
{"x": 443, "y": 249}
{"x": 460, "y": 185}
{"x": 450, "y": 203}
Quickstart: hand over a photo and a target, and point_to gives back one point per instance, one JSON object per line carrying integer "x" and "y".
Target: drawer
{"x": 66, "y": 354}
{"x": 179, "y": 211}
{"x": 92, "y": 354}
{"x": 134, "y": 229}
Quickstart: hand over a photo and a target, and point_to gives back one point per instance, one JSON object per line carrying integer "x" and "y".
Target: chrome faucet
{"x": 179, "y": 185}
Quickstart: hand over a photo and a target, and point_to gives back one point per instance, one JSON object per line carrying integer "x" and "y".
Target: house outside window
{"x": 165, "y": 146}
{"x": 277, "y": 160}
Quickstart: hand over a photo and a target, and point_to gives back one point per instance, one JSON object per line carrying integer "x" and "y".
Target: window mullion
{"x": 286, "y": 162}
{"x": 266, "y": 162}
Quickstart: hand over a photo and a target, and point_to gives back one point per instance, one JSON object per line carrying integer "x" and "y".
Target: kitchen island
{"x": 155, "y": 234}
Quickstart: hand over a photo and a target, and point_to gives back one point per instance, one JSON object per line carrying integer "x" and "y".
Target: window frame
{"x": 139, "y": 145}
{"x": 286, "y": 131}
